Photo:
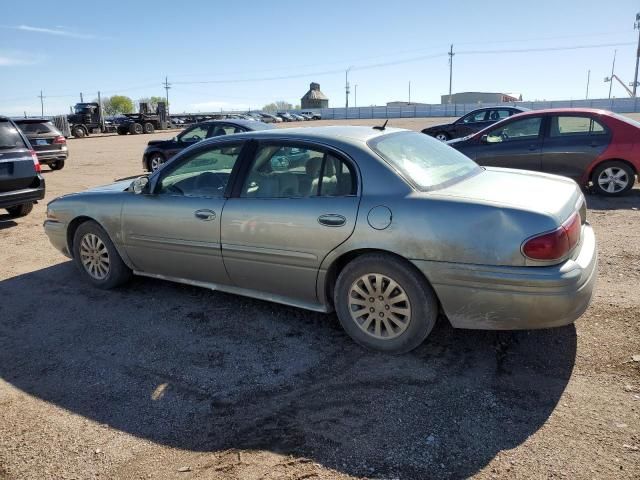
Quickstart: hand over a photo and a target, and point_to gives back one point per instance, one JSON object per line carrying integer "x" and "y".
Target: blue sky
{"x": 128, "y": 48}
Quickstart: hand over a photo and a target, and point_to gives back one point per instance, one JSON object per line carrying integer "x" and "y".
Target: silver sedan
{"x": 388, "y": 227}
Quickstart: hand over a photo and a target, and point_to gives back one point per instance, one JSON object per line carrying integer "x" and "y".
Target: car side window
{"x": 194, "y": 135}
{"x": 475, "y": 117}
{"x": 280, "y": 171}
{"x": 524, "y": 129}
{"x": 205, "y": 174}
{"x": 219, "y": 130}
{"x": 562, "y": 126}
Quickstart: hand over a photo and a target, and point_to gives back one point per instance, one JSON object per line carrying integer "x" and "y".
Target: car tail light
{"x": 36, "y": 162}
{"x": 59, "y": 140}
{"x": 554, "y": 245}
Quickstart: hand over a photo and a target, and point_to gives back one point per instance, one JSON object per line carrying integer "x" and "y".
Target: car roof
{"x": 595, "y": 111}
{"x": 31, "y": 120}
{"x": 235, "y": 121}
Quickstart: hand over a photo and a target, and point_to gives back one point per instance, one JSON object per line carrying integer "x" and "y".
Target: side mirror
{"x": 139, "y": 185}
{"x": 484, "y": 139}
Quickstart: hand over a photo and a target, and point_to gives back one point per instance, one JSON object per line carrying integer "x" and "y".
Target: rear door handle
{"x": 205, "y": 214}
{"x": 533, "y": 147}
{"x": 332, "y": 220}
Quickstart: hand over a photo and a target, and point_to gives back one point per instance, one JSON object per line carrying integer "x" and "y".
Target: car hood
{"x": 119, "y": 186}
{"x": 538, "y": 192}
{"x": 159, "y": 142}
{"x": 438, "y": 127}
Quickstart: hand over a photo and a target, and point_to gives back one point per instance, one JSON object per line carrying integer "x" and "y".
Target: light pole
{"x": 451, "y": 54}
{"x": 588, "y": 78}
{"x": 636, "y": 26}
{"x": 355, "y": 95}
{"x": 346, "y": 87}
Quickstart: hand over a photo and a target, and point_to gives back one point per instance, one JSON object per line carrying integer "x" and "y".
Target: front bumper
{"x": 26, "y": 195}
{"x": 57, "y": 233}
{"x": 512, "y": 298}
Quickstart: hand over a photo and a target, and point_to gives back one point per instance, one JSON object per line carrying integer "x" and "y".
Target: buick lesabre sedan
{"x": 387, "y": 227}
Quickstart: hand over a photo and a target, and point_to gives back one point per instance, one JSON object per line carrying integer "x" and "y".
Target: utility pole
{"x": 346, "y": 87}
{"x": 451, "y": 54}
{"x": 409, "y": 92}
{"x": 100, "y": 119}
{"x": 588, "y": 78}
{"x": 613, "y": 66}
{"x": 355, "y": 95}
{"x": 166, "y": 86}
{"x": 41, "y": 104}
{"x": 636, "y": 26}
{"x": 81, "y": 99}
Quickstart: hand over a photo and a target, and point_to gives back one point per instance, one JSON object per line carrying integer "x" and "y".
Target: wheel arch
{"x": 337, "y": 265}
{"x": 596, "y": 164}
{"x": 79, "y": 220}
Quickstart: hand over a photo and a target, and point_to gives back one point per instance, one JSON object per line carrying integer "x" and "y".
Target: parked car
{"x": 472, "y": 122}
{"x": 21, "y": 184}
{"x": 305, "y": 116}
{"x": 297, "y": 117}
{"x": 268, "y": 118}
{"x": 388, "y": 227}
{"x": 313, "y": 115}
{"x": 593, "y": 147}
{"x": 285, "y": 116}
{"x": 159, "y": 151}
{"x": 47, "y": 141}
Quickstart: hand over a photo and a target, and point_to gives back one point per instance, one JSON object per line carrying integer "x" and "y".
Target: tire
{"x": 135, "y": 128}
{"x": 613, "y": 178}
{"x": 79, "y": 132}
{"x": 414, "y": 318}
{"x": 149, "y": 128}
{"x": 442, "y": 136}
{"x": 155, "y": 161}
{"x": 20, "y": 210}
{"x": 104, "y": 266}
{"x": 122, "y": 130}
{"x": 57, "y": 165}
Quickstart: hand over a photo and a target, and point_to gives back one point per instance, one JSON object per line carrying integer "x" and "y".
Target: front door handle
{"x": 533, "y": 147}
{"x": 332, "y": 220}
{"x": 205, "y": 214}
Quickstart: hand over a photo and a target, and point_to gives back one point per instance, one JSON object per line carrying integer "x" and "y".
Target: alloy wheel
{"x": 156, "y": 162}
{"x": 379, "y": 306}
{"x": 94, "y": 256}
{"x": 442, "y": 137}
{"x": 613, "y": 180}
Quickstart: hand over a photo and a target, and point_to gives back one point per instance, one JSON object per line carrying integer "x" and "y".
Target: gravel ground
{"x": 158, "y": 380}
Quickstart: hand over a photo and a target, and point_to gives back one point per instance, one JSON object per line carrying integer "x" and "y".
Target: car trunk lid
{"x": 17, "y": 168}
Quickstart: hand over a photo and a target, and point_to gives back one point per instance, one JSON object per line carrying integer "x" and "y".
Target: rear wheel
{"x": 135, "y": 129}
{"x": 613, "y": 178}
{"x": 148, "y": 127}
{"x": 57, "y": 165}
{"x": 96, "y": 257}
{"x": 122, "y": 130}
{"x": 79, "y": 132}
{"x": 384, "y": 304}
{"x": 20, "y": 210}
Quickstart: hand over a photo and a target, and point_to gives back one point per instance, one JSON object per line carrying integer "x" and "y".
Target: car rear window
{"x": 426, "y": 163}
{"x": 9, "y": 136}
{"x": 35, "y": 128}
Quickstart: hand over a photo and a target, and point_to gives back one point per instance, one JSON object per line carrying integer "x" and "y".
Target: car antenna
{"x": 381, "y": 127}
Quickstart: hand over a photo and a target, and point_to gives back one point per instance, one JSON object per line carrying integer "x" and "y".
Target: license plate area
{"x": 41, "y": 141}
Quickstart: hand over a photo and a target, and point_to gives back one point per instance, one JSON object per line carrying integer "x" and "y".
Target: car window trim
{"x": 542, "y": 131}
{"x": 324, "y": 148}
{"x": 181, "y": 158}
{"x": 607, "y": 131}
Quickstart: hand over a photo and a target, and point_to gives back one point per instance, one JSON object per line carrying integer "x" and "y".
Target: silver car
{"x": 387, "y": 227}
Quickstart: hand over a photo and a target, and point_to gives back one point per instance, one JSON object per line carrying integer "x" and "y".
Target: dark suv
{"x": 47, "y": 141}
{"x": 21, "y": 184}
{"x": 472, "y": 122}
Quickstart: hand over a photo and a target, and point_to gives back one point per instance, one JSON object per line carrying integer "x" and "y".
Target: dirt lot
{"x": 159, "y": 380}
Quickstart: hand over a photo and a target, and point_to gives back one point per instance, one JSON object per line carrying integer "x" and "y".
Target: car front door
{"x": 174, "y": 231}
{"x": 513, "y": 144}
{"x": 187, "y": 138}
{"x": 470, "y": 123}
{"x": 295, "y": 203}
{"x": 572, "y": 143}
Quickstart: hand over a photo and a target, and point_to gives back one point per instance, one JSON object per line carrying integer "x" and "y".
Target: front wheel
{"x": 384, "y": 304}
{"x": 20, "y": 210}
{"x": 442, "y": 136}
{"x": 613, "y": 178}
{"x": 97, "y": 258}
{"x": 155, "y": 162}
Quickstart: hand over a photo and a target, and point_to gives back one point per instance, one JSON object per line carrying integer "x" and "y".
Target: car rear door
{"x": 174, "y": 231}
{"x": 295, "y": 203}
{"x": 516, "y": 143}
{"x": 572, "y": 142}
{"x": 17, "y": 170}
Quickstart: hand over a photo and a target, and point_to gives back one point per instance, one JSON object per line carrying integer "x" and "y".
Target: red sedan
{"x": 594, "y": 147}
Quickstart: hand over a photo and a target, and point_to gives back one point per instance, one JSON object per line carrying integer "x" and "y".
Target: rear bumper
{"x": 26, "y": 195}
{"x": 45, "y": 156}
{"x": 512, "y": 298}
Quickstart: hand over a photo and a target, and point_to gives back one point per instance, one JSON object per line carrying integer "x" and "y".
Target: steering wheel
{"x": 209, "y": 180}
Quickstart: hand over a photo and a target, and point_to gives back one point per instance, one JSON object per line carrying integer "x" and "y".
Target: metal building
{"x": 481, "y": 97}
{"x": 314, "y": 98}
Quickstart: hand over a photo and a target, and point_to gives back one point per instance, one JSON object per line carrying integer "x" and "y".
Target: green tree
{"x": 278, "y": 106}
{"x": 270, "y": 108}
{"x": 117, "y": 104}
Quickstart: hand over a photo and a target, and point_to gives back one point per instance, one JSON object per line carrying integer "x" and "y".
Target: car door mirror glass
{"x": 139, "y": 185}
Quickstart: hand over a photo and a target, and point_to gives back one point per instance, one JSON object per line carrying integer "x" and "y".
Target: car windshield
{"x": 9, "y": 136}
{"x": 426, "y": 163}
